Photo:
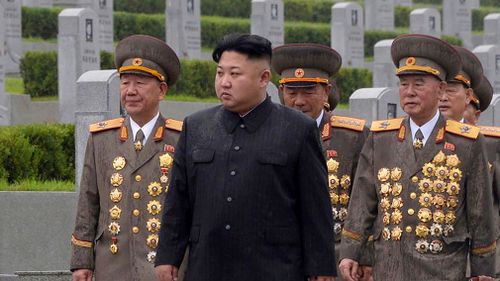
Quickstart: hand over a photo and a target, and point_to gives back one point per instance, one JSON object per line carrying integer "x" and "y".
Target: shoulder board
{"x": 490, "y": 131}
{"x": 462, "y": 129}
{"x": 106, "y": 125}
{"x": 386, "y": 125}
{"x": 173, "y": 124}
{"x": 348, "y": 123}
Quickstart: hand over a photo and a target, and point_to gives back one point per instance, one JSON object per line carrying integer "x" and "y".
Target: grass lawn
{"x": 14, "y": 85}
{"x": 35, "y": 185}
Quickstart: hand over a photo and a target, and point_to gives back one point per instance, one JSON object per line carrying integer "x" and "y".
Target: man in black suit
{"x": 248, "y": 192}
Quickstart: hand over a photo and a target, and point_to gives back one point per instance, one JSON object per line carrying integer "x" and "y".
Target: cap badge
{"x": 137, "y": 61}
{"x": 411, "y": 61}
{"x": 299, "y": 73}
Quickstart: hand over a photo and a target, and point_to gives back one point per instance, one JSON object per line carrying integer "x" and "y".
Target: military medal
{"x": 115, "y": 195}
{"x": 396, "y": 233}
{"x": 439, "y": 201}
{"x": 334, "y": 198}
{"x": 439, "y": 217}
{"x": 153, "y": 225}
{"x": 424, "y": 215}
{"x": 151, "y": 256}
{"x": 422, "y": 246}
{"x": 425, "y": 199}
{"x": 386, "y": 219}
{"x": 452, "y": 160}
{"x": 439, "y": 158}
{"x": 332, "y": 165}
{"x": 115, "y": 213}
{"x": 154, "y": 207}
{"x": 455, "y": 175}
{"x": 385, "y": 204}
{"x": 448, "y": 230}
{"x": 439, "y": 186}
{"x": 422, "y": 230}
{"x": 152, "y": 241}
{"x": 397, "y": 203}
{"x": 386, "y": 234}
{"x": 166, "y": 160}
{"x": 385, "y": 189}
{"x": 428, "y": 169}
{"x": 345, "y": 181}
{"x": 425, "y": 185}
{"x": 396, "y": 174}
{"x": 113, "y": 247}
{"x": 344, "y": 199}
{"x": 452, "y": 202}
{"x": 441, "y": 172}
{"x": 337, "y": 228}
{"x": 333, "y": 181}
{"x": 436, "y": 246}
{"x": 453, "y": 188}
{"x": 138, "y": 145}
{"x": 450, "y": 217}
{"x": 116, "y": 179}
{"x": 155, "y": 189}
{"x": 396, "y": 189}
{"x": 119, "y": 163}
{"x": 418, "y": 144}
{"x": 342, "y": 214}
{"x": 436, "y": 230}
{"x": 396, "y": 217}
{"x": 114, "y": 228}
{"x": 383, "y": 174}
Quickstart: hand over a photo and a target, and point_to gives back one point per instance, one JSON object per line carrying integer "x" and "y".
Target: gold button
{"x": 408, "y": 229}
{"x": 413, "y": 195}
{"x": 136, "y": 212}
{"x": 137, "y": 195}
{"x": 414, "y": 179}
{"x": 135, "y": 229}
{"x": 138, "y": 178}
{"x": 411, "y": 212}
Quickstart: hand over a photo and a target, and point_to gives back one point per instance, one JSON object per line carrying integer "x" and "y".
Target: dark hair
{"x": 254, "y": 46}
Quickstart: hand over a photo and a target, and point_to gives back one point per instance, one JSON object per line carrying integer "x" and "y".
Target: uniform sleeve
{"x": 84, "y": 235}
{"x": 480, "y": 213}
{"x": 316, "y": 214}
{"x": 362, "y": 207}
{"x": 176, "y": 220}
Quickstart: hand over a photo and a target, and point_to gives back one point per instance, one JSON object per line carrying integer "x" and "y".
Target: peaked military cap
{"x": 423, "y": 54}
{"x": 471, "y": 72}
{"x": 483, "y": 93}
{"x": 305, "y": 65}
{"x": 147, "y": 55}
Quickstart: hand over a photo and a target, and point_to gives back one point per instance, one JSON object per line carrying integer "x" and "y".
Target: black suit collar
{"x": 252, "y": 120}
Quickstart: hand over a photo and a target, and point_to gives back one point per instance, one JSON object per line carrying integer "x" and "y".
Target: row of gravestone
{"x": 83, "y": 33}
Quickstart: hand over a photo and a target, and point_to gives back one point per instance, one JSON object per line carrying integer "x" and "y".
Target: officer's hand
{"x": 366, "y": 273}
{"x": 166, "y": 272}
{"x": 82, "y": 275}
{"x": 322, "y": 278}
{"x": 350, "y": 270}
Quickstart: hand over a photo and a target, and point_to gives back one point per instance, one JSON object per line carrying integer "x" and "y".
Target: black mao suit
{"x": 249, "y": 196}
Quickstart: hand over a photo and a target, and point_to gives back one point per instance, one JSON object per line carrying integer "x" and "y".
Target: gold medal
{"x": 397, "y": 203}
{"x": 114, "y": 228}
{"x": 154, "y": 207}
{"x": 152, "y": 241}
{"x": 116, "y": 179}
{"x": 113, "y": 248}
{"x": 334, "y": 198}
{"x": 119, "y": 163}
{"x": 138, "y": 146}
{"x": 386, "y": 219}
{"x": 439, "y": 158}
{"x": 345, "y": 181}
{"x": 424, "y": 215}
{"x": 425, "y": 185}
{"x": 455, "y": 175}
{"x": 153, "y": 225}
{"x": 448, "y": 230}
{"x": 151, "y": 256}
{"x": 439, "y": 217}
{"x": 422, "y": 230}
{"x": 452, "y": 202}
{"x": 418, "y": 144}
{"x": 425, "y": 199}
{"x": 422, "y": 246}
{"x": 396, "y": 189}
{"x": 332, "y": 165}
{"x": 396, "y": 174}
{"x": 333, "y": 181}
{"x": 384, "y": 174}
{"x": 115, "y": 213}
{"x": 453, "y": 188}
{"x": 428, "y": 169}
{"x": 342, "y": 214}
{"x": 344, "y": 199}
{"x": 385, "y": 189}
{"x": 452, "y": 160}
{"x": 155, "y": 189}
{"x": 436, "y": 230}
{"x": 439, "y": 201}
{"x": 115, "y": 195}
{"x": 451, "y": 217}
{"x": 166, "y": 160}
{"x": 386, "y": 234}
{"x": 439, "y": 186}
{"x": 164, "y": 179}
{"x": 396, "y": 233}
{"x": 441, "y": 172}
{"x": 396, "y": 217}
{"x": 385, "y": 204}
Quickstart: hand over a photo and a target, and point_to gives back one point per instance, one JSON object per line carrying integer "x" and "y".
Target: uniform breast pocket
{"x": 203, "y": 155}
{"x": 272, "y": 158}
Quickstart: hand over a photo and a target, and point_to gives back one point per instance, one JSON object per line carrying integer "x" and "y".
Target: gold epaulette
{"x": 386, "y": 125}
{"x": 462, "y": 129}
{"x": 81, "y": 243}
{"x": 490, "y": 131}
{"x": 348, "y": 123}
{"x": 173, "y": 124}
{"x": 106, "y": 125}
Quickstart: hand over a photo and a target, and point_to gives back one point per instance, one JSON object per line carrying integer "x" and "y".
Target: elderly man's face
{"x": 419, "y": 95}
{"x": 240, "y": 82}
{"x": 309, "y": 100}
{"x": 454, "y": 100}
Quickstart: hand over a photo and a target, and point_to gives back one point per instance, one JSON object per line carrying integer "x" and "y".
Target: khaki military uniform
{"x": 121, "y": 200}
{"x": 342, "y": 140}
{"x": 428, "y": 207}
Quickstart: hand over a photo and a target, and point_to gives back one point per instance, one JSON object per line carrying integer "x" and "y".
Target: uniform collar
{"x": 320, "y": 118}
{"x": 251, "y": 120}
{"x": 426, "y": 128}
{"x": 146, "y": 129}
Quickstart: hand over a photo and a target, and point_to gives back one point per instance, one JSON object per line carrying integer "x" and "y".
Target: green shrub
{"x": 402, "y": 16}
{"x": 491, "y": 3}
{"x": 373, "y": 36}
{"x": 140, "y": 6}
{"x": 196, "y": 79}
{"x": 310, "y": 11}
{"x": 226, "y": 8}
{"x": 351, "y": 79}
{"x": 107, "y": 60}
{"x": 39, "y": 73}
{"x": 214, "y": 28}
{"x": 41, "y": 152}
{"x": 305, "y": 32}
{"x": 452, "y": 40}
{"x": 479, "y": 14}
{"x": 39, "y": 22}
{"x": 126, "y": 24}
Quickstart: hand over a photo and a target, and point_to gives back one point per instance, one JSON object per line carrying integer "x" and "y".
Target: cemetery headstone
{"x": 267, "y": 20}
{"x": 379, "y": 14}
{"x": 383, "y": 67}
{"x": 183, "y": 28}
{"x": 489, "y": 55}
{"x": 375, "y": 104}
{"x": 104, "y": 10}
{"x": 4, "y": 112}
{"x": 406, "y": 3}
{"x": 78, "y": 52}
{"x": 457, "y": 20}
{"x": 347, "y": 33}
{"x": 38, "y": 3}
{"x": 14, "y": 44}
{"x": 491, "y": 116}
{"x": 492, "y": 29}
{"x": 426, "y": 21}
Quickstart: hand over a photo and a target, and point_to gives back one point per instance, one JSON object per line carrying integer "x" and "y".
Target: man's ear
{"x": 163, "y": 90}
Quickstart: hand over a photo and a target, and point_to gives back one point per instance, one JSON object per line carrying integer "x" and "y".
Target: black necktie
{"x": 139, "y": 138}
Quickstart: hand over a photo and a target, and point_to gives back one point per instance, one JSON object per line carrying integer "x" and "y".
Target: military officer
{"x": 459, "y": 93}
{"x": 306, "y": 85}
{"x": 126, "y": 170}
{"x": 422, "y": 182}
{"x": 482, "y": 95}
